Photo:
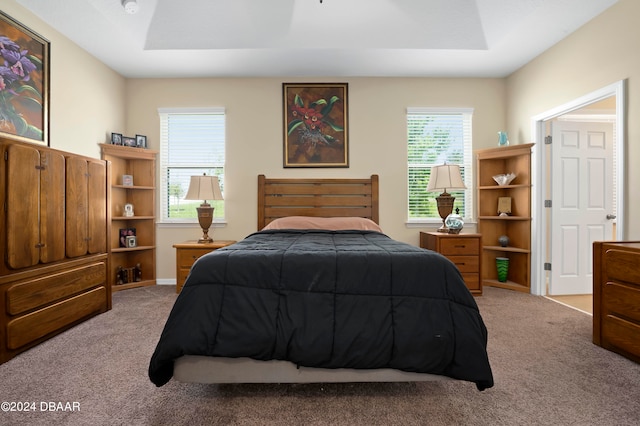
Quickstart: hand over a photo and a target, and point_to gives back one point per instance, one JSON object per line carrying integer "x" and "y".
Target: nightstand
{"x": 463, "y": 250}
{"x": 188, "y": 252}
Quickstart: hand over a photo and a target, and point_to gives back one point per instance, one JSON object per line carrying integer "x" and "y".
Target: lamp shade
{"x": 445, "y": 177}
{"x": 204, "y": 188}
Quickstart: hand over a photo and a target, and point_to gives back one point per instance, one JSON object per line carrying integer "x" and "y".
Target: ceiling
{"x": 307, "y": 38}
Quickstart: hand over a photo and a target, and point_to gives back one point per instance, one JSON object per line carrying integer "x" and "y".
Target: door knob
{"x": 611, "y": 216}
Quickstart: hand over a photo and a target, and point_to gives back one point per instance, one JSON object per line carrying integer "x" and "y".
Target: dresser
{"x": 463, "y": 250}
{"x": 616, "y": 297}
{"x": 188, "y": 252}
{"x": 53, "y": 243}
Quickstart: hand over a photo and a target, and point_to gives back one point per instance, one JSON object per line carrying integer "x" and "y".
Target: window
{"x": 436, "y": 136}
{"x": 192, "y": 142}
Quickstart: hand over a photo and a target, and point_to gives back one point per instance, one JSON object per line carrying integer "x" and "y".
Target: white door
{"x": 582, "y": 195}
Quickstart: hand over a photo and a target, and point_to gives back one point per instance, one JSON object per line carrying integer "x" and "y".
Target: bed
{"x": 320, "y": 294}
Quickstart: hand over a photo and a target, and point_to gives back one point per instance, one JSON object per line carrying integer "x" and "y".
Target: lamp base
{"x": 205, "y": 217}
{"x": 445, "y": 207}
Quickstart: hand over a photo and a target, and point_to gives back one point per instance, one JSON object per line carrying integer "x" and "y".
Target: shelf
{"x": 517, "y": 227}
{"x": 503, "y": 187}
{"x": 504, "y": 218}
{"x": 132, "y": 187}
{"x": 141, "y": 165}
{"x": 143, "y": 283}
{"x": 506, "y": 249}
{"x": 129, "y": 249}
{"x": 133, "y": 217}
{"x": 510, "y": 285}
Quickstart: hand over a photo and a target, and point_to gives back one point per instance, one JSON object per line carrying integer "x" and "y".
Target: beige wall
{"x": 89, "y": 101}
{"x": 86, "y": 97}
{"x": 377, "y": 134}
{"x": 601, "y": 53}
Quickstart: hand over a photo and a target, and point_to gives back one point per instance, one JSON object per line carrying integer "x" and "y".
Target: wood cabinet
{"x": 516, "y": 225}
{"x": 616, "y": 297}
{"x": 463, "y": 250}
{"x": 132, "y": 265}
{"x": 53, "y": 272}
{"x": 188, "y": 252}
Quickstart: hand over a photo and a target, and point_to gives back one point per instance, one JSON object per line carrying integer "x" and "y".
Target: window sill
{"x": 168, "y": 225}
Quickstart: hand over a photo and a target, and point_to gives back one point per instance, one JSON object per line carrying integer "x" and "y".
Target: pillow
{"x": 328, "y": 223}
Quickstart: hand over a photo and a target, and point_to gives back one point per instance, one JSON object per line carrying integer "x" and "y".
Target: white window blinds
{"x": 192, "y": 142}
{"x": 434, "y": 137}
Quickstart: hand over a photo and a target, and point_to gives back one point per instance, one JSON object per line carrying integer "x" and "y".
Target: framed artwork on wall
{"x": 315, "y": 124}
{"x": 24, "y": 92}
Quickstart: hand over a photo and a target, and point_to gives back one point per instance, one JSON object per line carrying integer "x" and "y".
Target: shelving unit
{"x": 517, "y": 226}
{"x": 141, "y": 165}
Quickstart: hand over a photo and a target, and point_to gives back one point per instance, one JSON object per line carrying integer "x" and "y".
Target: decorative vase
{"x": 454, "y": 222}
{"x": 503, "y": 139}
{"x": 503, "y": 240}
{"x": 502, "y": 264}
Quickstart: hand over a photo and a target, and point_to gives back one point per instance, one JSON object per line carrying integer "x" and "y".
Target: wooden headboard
{"x": 317, "y": 197}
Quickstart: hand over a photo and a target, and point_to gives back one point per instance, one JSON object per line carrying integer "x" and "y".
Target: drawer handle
{"x": 460, "y": 245}
{"x": 460, "y": 263}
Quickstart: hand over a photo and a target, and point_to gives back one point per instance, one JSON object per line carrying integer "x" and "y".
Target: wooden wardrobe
{"x": 53, "y": 243}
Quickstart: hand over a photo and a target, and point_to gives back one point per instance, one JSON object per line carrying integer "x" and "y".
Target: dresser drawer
{"x": 622, "y": 266}
{"x": 472, "y": 281}
{"x": 466, "y": 263}
{"x": 460, "y": 246}
{"x": 31, "y": 294}
{"x": 35, "y": 325}
{"x": 621, "y": 301}
{"x": 621, "y": 334}
{"x": 186, "y": 257}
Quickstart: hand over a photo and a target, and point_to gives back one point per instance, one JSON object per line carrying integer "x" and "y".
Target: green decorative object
{"x": 502, "y": 264}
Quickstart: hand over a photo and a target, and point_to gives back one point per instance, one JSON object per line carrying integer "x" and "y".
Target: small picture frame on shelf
{"x": 116, "y": 138}
{"x": 124, "y": 233}
{"x": 127, "y": 180}
{"x": 128, "y": 210}
{"x": 128, "y": 141}
{"x": 504, "y": 206}
{"x": 141, "y": 141}
{"x": 132, "y": 241}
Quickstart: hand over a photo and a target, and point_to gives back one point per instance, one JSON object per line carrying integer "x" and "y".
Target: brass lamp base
{"x": 445, "y": 207}
{"x": 205, "y": 217}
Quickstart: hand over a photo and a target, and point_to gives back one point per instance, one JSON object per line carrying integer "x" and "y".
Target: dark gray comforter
{"x": 330, "y": 299}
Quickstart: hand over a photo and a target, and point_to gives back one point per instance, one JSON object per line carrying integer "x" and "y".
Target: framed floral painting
{"x": 24, "y": 83}
{"x": 316, "y": 125}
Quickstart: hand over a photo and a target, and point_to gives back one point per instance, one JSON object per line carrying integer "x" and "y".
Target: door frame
{"x": 539, "y": 171}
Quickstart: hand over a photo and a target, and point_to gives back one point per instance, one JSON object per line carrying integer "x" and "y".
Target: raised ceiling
{"x": 309, "y": 38}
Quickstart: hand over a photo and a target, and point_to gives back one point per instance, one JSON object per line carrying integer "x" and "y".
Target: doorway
{"x": 555, "y": 273}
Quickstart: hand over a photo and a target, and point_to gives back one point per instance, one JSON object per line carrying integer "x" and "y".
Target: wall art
{"x": 316, "y": 130}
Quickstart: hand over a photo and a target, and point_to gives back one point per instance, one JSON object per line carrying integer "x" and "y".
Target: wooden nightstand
{"x": 188, "y": 252}
{"x": 463, "y": 250}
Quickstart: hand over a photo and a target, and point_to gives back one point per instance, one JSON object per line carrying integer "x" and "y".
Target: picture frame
{"x": 132, "y": 241}
{"x": 504, "y": 206}
{"x": 141, "y": 141}
{"x": 24, "y": 101}
{"x": 124, "y": 233}
{"x": 116, "y": 138}
{"x": 127, "y": 180}
{"x": 128, "y": 141}
{"x": 316, "y": 124}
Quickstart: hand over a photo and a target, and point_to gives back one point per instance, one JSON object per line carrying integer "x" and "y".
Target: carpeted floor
{"x": 546, "y": 369}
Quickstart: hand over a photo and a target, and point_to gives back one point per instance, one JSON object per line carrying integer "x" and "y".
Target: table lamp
{"x": 204, "y": 188}
{"x": 444, "y": 177}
